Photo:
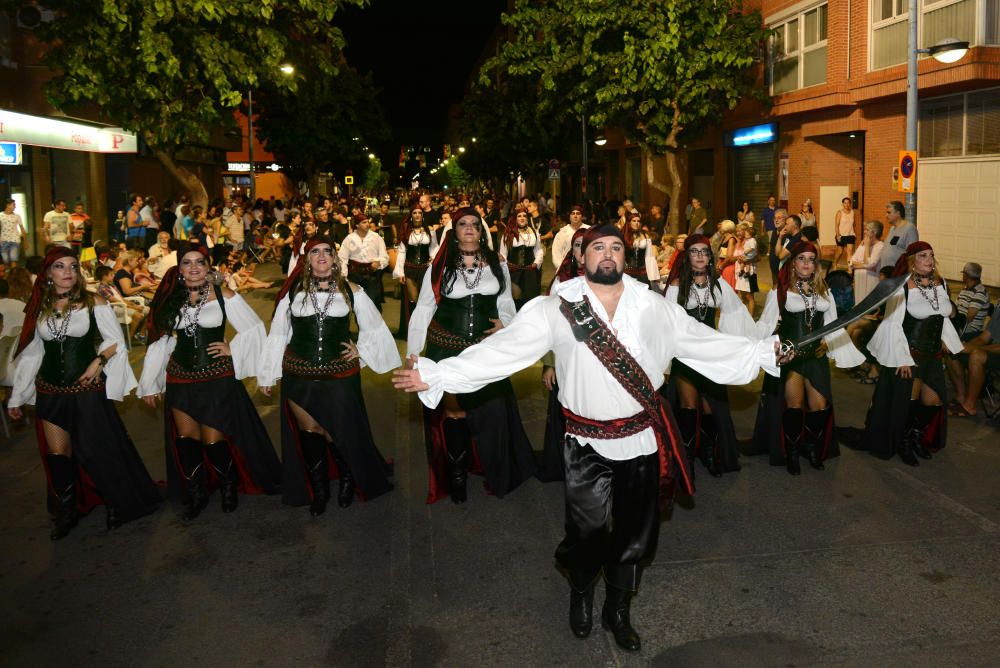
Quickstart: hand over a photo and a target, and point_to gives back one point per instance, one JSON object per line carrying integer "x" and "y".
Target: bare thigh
{"x": 689, "y": 396}
{"x": 800, "y": 394}
{"x": 187, "y": 427}
{"x": 305, "y": 421}
{"x": 450, "y": 406}
{"x": 412, "y": 289}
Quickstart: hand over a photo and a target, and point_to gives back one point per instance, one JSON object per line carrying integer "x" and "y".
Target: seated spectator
{"x": 11, "y": 310}
{"x": 973, "y": 302}
{"x": 19, "y": 280}
{"x": 861, "y": 331}
{"x": 141, "y": 271}
{"x": 983, "y": 354}
{"x": 157, "y": 252}
{"x": 125, "y": 279}
{"x": 136, "y": 311}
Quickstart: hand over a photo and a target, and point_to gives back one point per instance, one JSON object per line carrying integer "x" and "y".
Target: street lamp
{"x": 461, "y": 149}
{"x": 287, "y": 70}
{"x": 601, "y": 140}
{"x": 371, "y": 156}
{"x": 946, "y": 51}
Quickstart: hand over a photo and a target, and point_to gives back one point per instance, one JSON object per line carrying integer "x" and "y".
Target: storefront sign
{"x": 238, "y": 167}
{"x": 10, "y": 153}
{"x": 756, "y": 134}
{"x": 42, "y": 131}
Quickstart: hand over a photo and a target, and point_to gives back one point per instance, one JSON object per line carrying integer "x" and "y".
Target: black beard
{"x": 604, "y": 276}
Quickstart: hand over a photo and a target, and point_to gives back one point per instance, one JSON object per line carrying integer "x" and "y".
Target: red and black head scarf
{"x": 683, "y": 260}
{"x": 34, "y": 306}
{"x": 404, "y": 236}
{"x": 512, "y": 226}
{"x": 570, "y": 268}
{"x": 169, "y": 285}
{"x": 592, "y": 234}
{"x": 785, "y": 273}
{"x": 903, "y": 263}
{"x": 296, "y": 274}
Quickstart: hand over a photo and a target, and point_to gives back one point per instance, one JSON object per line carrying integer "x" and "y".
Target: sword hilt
{"x": 786, "y": 349}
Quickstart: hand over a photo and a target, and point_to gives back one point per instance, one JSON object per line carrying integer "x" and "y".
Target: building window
{"x": 961, "y": 125}
{"x": 799, "y": 51}
{"x": 939, "y": 19}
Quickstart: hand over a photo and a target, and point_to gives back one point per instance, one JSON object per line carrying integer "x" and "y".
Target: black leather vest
{"x": 523, "y": 256}
{"x": 468, "y": 316}
{"x": 635, "y": 259}
{"x": 66, "y": 360}
{"x": 191, "y": 352}
{"x": 794, "y": 326}
{"x": 313, "y": 343}
{"x": 418, "y": 253}
{"x": 924, "y": 335}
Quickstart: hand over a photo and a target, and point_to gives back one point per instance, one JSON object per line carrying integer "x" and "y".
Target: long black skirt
{"x": 528, "y": 280}
{"x": 768, "y": 435}
{"x": 109, "y": 470}
{"x": 339, "y": 407}
{"x": 717, "y": 398}
{"x": 889, "y": 413}
{"x": 414, "y": 273}
{"x": 223, "y": 404}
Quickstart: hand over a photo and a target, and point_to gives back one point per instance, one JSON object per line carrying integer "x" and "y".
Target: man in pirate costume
{"x": 362, "y": 259}
{"x": 613, "y": 338}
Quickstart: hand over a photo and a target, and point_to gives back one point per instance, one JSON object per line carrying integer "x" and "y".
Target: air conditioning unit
{"x": 30, "y": 17}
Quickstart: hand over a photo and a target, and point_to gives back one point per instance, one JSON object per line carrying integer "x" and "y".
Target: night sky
{"x": 421, "y": 53}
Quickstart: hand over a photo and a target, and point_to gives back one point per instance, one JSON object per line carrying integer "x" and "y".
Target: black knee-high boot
{"x": 222, "y": 461}
{"x": 924, "y": 416}
{"x": 812, "y": 436}
{"x": 345, "y": 489}
{"x": 193, "y": 470}
{"x": 63, "y": 473}
{"x": 911, "y": 436}
{"x": 314, "y": 451}
{"x": 616, "y": 617}
{"x": 709, "y": 447}
{"x": 458, "y": 440}
{"x": 687, "y": 421}
{"x": 791, "y": 424}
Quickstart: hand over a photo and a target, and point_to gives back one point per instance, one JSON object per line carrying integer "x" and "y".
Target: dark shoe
{"x": 925, "y": 415}
{"x": 192, "y": 462}
{"x": 63, "y": 473}
{"x": 581, "y": 611}
{"x": 709, "y": 447}
{"x": 815, "y": 429}
{"x": 687, "y": 422}
{"x": 225, "y": 468}
{"x": 314, "y": 451}
{"x": 457, "y": 440}
{"x": 791, "y": 424}
{"x": 345, "y": 488}
{"x": 113, "y": 520}
{"x": 911, "y": 436}
{"x": 615, "y": 618}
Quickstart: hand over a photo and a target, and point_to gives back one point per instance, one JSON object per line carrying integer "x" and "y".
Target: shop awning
{"x": 68, "y": 135}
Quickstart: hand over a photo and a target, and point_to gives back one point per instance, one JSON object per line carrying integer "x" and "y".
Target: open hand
{"x": 409, "y": 379}
{"x": 350, "y": 351}
{"x": 151, "y": 399}
{"x": 219, "y": 349}
{"x": 905, "y": 372}
{"x": 15, "y": 413}
{"x": 549, "y": 377}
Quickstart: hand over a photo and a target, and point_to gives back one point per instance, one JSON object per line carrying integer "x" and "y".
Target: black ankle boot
{"x": 314, "y": 452}
{"x": 791, "y": 424}
{"x": 581, "y": 611}
{"x": 709, "y": 447}
{"x": 925, "y": 415}
{"x": 222, "y": 461}
{"x": 457, "y": 440}
{"x": 911, "y": 437}
{"x": 615, "y": 617}
{"x": 193, "y": 471}
{"x": 63, "y": 473}
{"x": 687, "y": 422}
{"x": 812, "y": 435}
{"x": 345, "y": 488}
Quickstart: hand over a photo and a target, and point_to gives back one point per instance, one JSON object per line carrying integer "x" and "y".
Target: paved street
{"x": 866, "y": 564}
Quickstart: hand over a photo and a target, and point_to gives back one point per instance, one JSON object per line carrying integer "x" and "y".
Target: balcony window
{"x": 960, "y": 125}
{"x": 939, "y": 19}
{"x": 799, "y": 51}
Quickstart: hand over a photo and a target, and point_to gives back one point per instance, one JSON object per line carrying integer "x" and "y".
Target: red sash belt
{"x": 354, "y": 267}
{"x": 578, "y": 425}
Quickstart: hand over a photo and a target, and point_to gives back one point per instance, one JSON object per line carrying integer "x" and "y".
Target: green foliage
{"x": 375, "y": 179}
{"x": 454, "y": 176}
{"x": 173, "y": 70}
{"x": 655, "y": 68}
{"x": 314, "y": 128}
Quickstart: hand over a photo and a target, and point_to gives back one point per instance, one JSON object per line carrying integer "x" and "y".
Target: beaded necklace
{"x": 929, "y": 291}
{"x": 190, "y": 313}
{"x": 809, "y": 298}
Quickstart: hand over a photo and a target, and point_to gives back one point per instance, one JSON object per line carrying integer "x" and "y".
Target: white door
{"x": 830, "y": 198}
{"x": 958, "y": 213}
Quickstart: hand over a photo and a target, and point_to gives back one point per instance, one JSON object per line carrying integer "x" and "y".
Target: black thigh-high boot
{"x": 687, "y": 421}
{"x": 812, "y": 436}
{"x": 616, "y": 617}
{"x": 925, "y": 414}
{"x": 911, "y": 436}
{"x": 345, "y": 488}
{"x": 314, "y": 451}
{"x": 63, "y": 473}
{"x": 193, "y": 470}
{"x": 791, "y": 424}
{"x": 222, "y": 461}
{"x": 458, "y": 441}
{"x": 709, "y": 447}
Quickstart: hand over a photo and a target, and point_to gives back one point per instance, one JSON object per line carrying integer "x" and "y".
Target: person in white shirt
{"x": 161, "y": 256}
{"x": 11, "y": 310}
{"x": 563, "y": 240}
{"x": 613, "y": 339}
{"x": 417, "y": 246}
{"x": 56, "y": 225}
{"x": 363, "y": 257}
{"x": 640, "y": 252}
{"x": 12, "y": 234}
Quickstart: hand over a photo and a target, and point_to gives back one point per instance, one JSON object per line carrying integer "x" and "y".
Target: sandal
{"x": 868, "y": 380}
{"x": 959, "y": 411}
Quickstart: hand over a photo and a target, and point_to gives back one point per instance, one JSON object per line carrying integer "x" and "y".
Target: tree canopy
{"x": 172, "y": 71}
{"x": 659, "y": 70}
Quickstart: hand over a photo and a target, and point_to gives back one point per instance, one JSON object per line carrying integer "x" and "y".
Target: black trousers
{"x": 612, "y": 516}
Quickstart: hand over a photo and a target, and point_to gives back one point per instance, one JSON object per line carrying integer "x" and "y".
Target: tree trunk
{"x": 673, "y": 219}
{"x": 191, "y": 184}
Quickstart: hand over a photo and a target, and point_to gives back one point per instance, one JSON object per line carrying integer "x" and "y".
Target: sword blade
{"x": 879, "y": 295}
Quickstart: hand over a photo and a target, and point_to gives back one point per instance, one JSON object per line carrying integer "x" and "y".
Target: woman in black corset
{"x": 907, "y": 414}
{"x": 522, "y": 247}
{"x": 71, "y": 363}
{"x": 795, "y": 413}
{"x": 214, "y": 436}
{"x": 465, "y": 298}
{"x": 640, "y": 252}
{"x": 325, "y": 427}
{"x": 416, "y": 248}
{"x": 700, "y": 405}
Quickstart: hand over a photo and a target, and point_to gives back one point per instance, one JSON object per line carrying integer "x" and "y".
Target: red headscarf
{"x": 300, "y": 267}
{"x": 784, "y": 274}
{"x": 37, "y": 294}
{"x": 903, "y": 263}
{"x": 675, "y": 269}
{"x": 166, "y": 288}
{"x": 569, "y": 268}
{"x": 594, "y": 233}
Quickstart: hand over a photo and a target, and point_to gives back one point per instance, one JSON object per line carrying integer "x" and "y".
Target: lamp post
{"x": 946, "y": 51}
{"x": 287, "y": 70}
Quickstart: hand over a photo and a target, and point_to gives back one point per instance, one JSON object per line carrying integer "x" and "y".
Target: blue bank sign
{"x": 756, "y": 134}
{"x": 10, "y": 153}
